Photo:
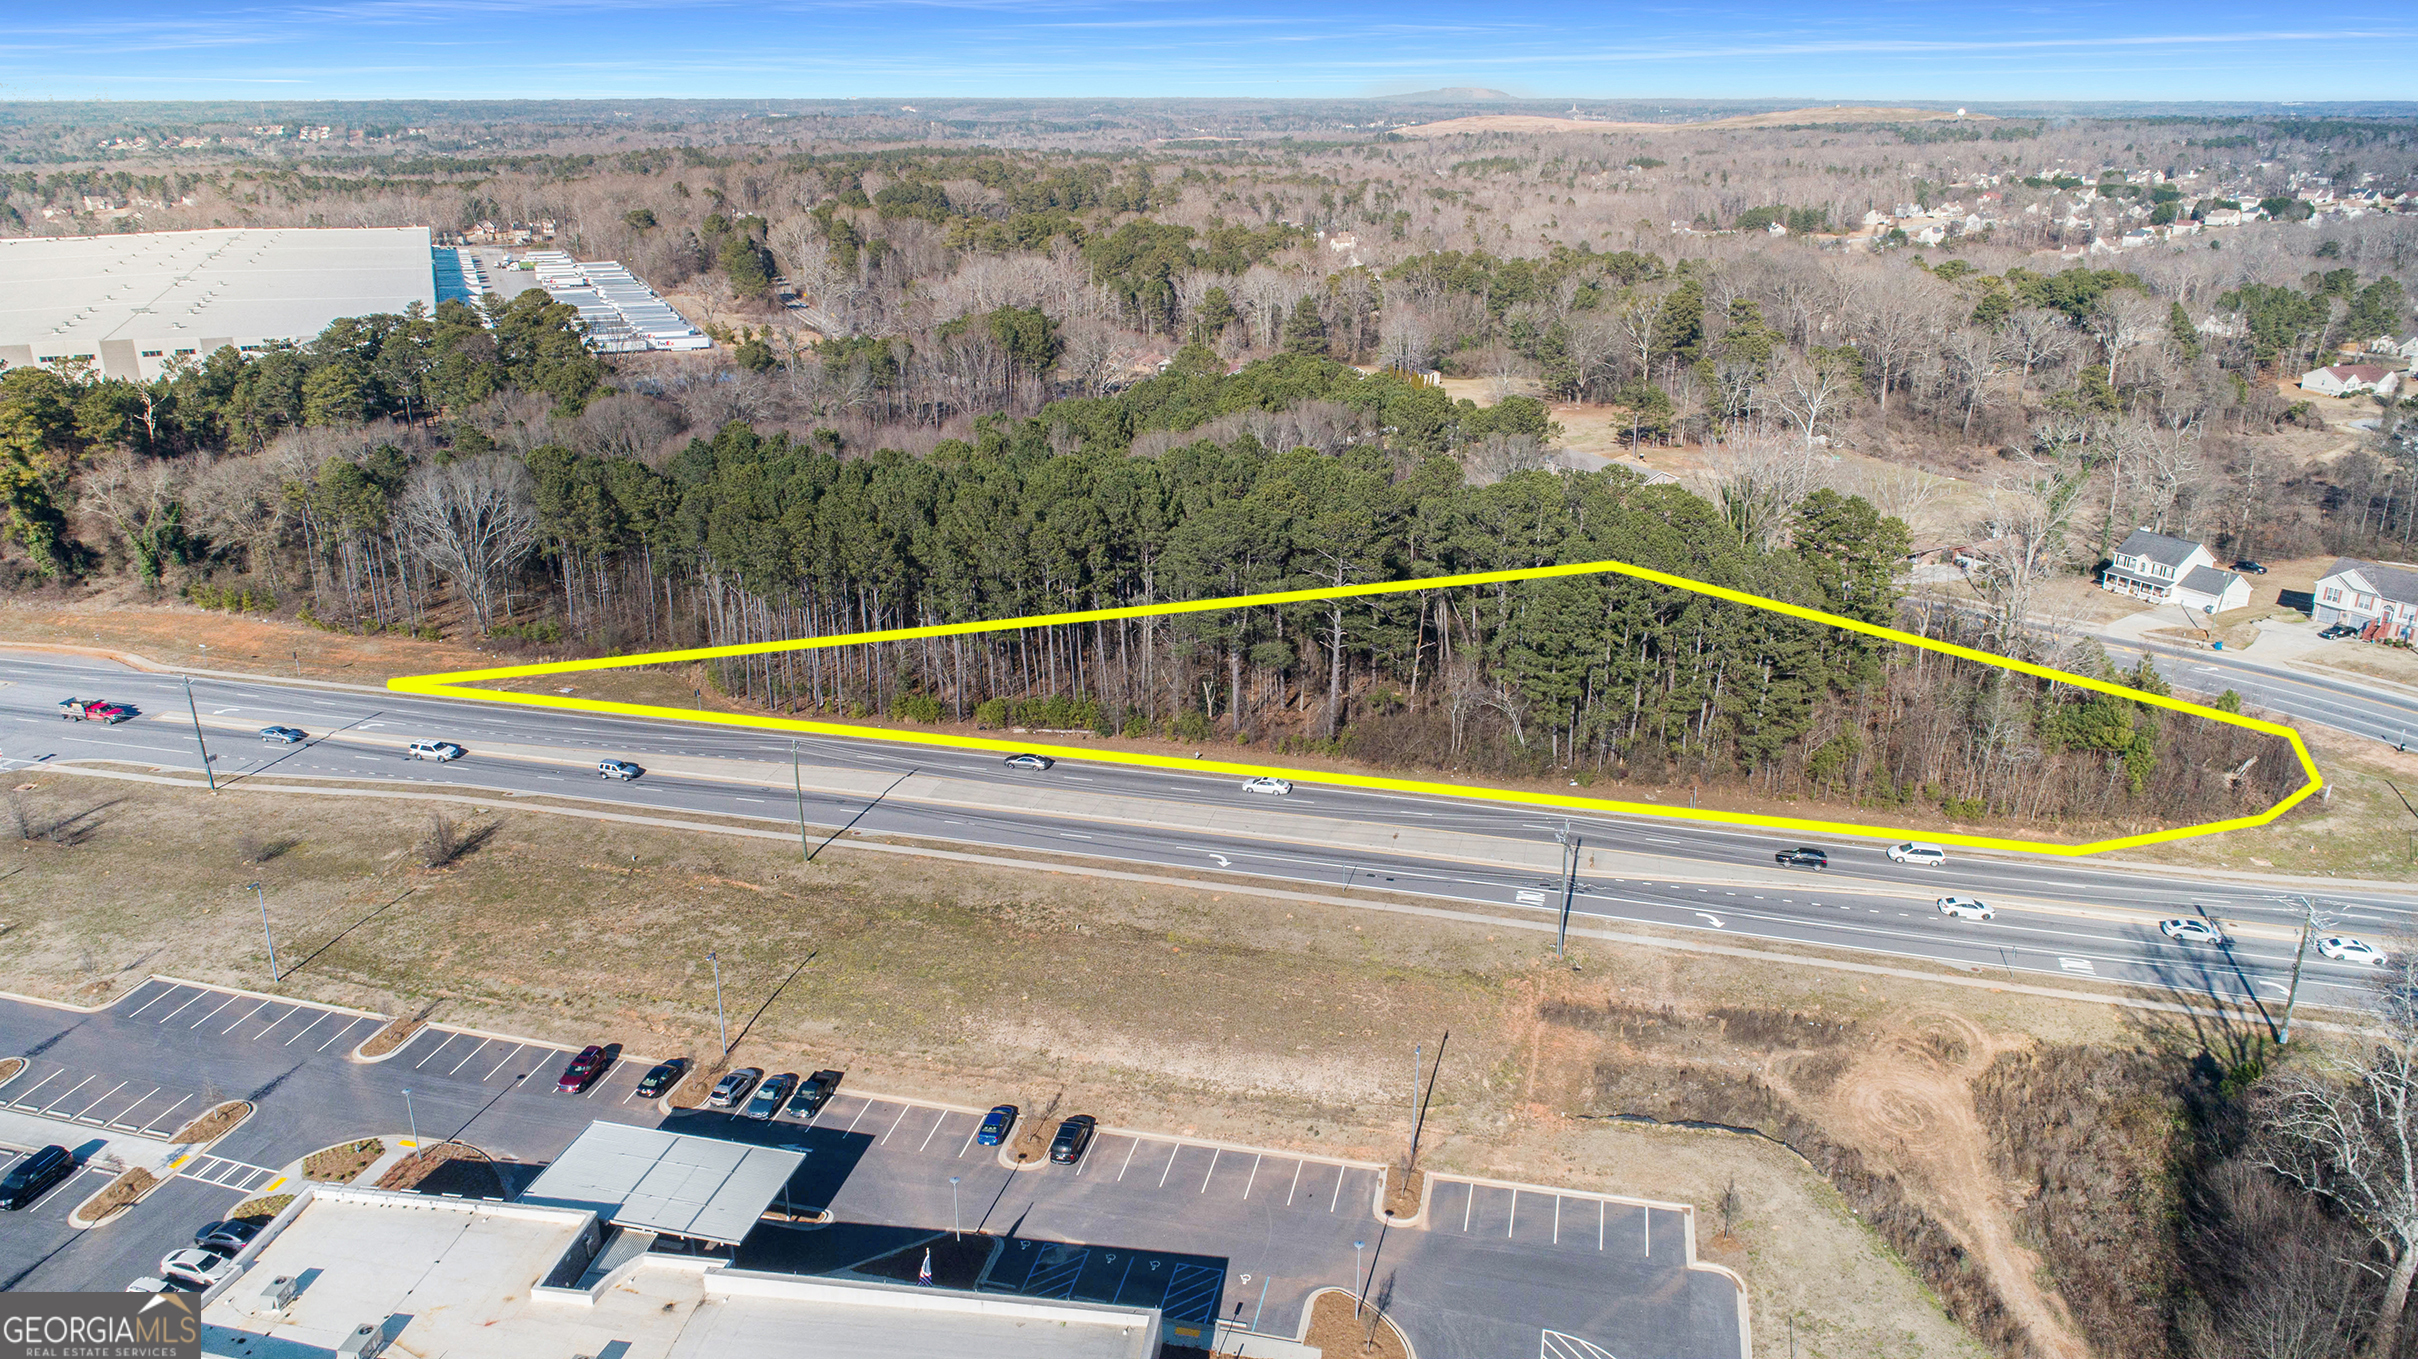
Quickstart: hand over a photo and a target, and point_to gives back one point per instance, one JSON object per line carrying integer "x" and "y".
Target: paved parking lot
{"x": 1210, "y": 1233}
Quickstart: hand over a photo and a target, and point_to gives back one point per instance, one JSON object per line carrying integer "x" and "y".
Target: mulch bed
{"x": 215, "y": 1124}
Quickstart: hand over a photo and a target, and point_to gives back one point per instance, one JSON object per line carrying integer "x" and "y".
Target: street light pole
{"x": 956, "y": 1232}
{"x": 1358, "y": 1292}
{"x": 264, "y": 928}
{"x": 195, "y": 712}
{"x": 719, "y": 1020}
{"x": 415, "y": 1120}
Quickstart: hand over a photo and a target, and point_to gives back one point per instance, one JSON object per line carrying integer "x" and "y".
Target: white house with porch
{"x": 2166, "y": 570}
{"x": 2360, "y": 593}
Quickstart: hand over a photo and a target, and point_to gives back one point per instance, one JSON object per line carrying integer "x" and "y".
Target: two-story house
{"x": 2166, "y": 570}
{"x": 2359, "y": 593}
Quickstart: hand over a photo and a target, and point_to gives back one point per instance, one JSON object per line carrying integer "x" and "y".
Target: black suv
{"x": 1073, "y": 1136}
{"x": 1802, "y": 857}
{"x": 2250, "y": 568}
{"x": 34, "y": 1175}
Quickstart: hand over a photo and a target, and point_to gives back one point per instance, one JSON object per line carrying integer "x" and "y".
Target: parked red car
{"x": 583, "y": 1070}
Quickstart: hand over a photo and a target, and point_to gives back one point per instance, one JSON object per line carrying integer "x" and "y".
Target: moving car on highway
{"x": 93, "y": 710}
{"x": 1263, "y": 784}
{"x": 1029, "y": 760}
{"x": 734, "y": 1087}
{"x": 1964, "y": 908}
{"x": 440, "y": 751}
{"x": 770, "y": 1095}
{"x": 284, "y": 736}
{"x": 2344, "y": 949}
{"x": 2184, "y": 930}
{"x": 1915, "y": 852}
{"x": 996, "y": 1125}
{"x": 1803, "y": 856}
{"x": 617, "y": 769}
{"x": 1074, "y": 1136}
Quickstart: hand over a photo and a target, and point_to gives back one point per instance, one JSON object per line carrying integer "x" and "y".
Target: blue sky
{"x": 1868, "y": 49}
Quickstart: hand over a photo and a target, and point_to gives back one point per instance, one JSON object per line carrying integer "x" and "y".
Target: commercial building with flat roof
{"x": 129, "y": 305}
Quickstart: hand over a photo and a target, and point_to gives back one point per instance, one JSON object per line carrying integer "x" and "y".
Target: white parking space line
{"x": 21, "y": 1103}
{"x": 1557, "y": 1219}
{"x": 163, "y": 995}
{"x": 197, "y": 995}
{"x": 71, "y": 1091}
{"x": 933, "y": 1130}
{"x": 1600, "y": 1214}
{"x": 289, "y": 1014}
{"x": 1213, "y": 1151}
{"x": 289, "y": 1042}
{"x": 1171, "y": 1153}
{"x": 128, "y": 1112}
{"x": 860, "y": 1113}
{"x": 221, "y": 1005}
{"x": 1254, "y": 1176}
{"x": 337, "y": 1034}
{"x": 1296, "y": 1184}
{"x": 434, "y": 1051}
{"x": 1467, "y": 1204}
{"x": 507, "y": 1061}
{"x": 160, "y": 1120}
{"x": 1645, "y": 1229}
{"x": 902, "y": 1117}
{"x": 1513, "y": 1216}
{"x": 467, "y": 1056}
{"x": 79, "y": 1114}
{"x": 969, "y": 1142}
{"x": 240, "y": 1022}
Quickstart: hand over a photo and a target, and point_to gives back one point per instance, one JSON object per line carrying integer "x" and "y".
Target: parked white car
{"x": 200, "y": 1268}
{"x": 1915, "y": 852}
{"x": 2344, "y": 949}
{"x": 1965, "y": 908}
{"x": 1279, "y": 787}
{"x": 439, "y": 751}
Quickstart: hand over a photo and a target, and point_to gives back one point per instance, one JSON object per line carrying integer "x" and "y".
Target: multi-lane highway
{"x": 2303, "y": 697}
{"x": 2075, "y": 920}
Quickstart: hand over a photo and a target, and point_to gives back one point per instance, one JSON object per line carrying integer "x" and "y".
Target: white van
{"x": 1931, "y": 856}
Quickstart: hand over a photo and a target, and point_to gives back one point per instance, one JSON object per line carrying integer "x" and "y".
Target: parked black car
{"x": 1802, "y": 857}
{"x": 32, "y": 1177}
{"x": 661, "y": 1077}
{"x": 813, "y": 1093}
{"x": 2250, "y": 568}
{"x": 1074, "y": 1136}
{"x": 2338, "y": 630}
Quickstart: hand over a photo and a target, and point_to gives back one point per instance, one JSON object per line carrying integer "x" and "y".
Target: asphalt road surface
{"x": 2342, "y": 704}
{"x": 2072, "y": 920}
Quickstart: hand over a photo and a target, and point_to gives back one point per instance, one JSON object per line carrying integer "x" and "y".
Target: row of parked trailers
{"x": 622, "y": 314}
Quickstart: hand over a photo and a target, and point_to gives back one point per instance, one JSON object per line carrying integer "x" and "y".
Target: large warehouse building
{"x": 131, "y": 303}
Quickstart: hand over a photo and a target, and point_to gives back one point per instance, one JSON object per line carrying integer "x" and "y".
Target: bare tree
{"x": 143, "y": 499}
{"x": 1759, "y": 478}
{"x": 2344, "y": 1127}
{"x": 475, "y": 521}
{"x": 1497, "y": 456}
{"x": 2123, "y": 323}
{"x": 2024, "y": 528}
{"x": 2038, "y": 338}
{"x": 1809, "y": 395}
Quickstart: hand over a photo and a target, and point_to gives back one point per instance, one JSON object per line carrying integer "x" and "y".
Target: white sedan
{"x": 2344, "y": 949}
{"x": 200, "y": 1268}
{"x": 2184, "y": 930}
{"x": 1279, "y": 787}
{"x": 1964, "y": 908}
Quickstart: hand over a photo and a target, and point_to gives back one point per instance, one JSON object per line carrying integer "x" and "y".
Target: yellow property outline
{"x": 452, "y": 685}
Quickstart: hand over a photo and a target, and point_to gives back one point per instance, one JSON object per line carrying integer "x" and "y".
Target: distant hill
{"x": 1458, "y": 94}
{"x": 1837, "y": 113}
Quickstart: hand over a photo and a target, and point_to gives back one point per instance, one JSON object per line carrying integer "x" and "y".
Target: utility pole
{"x": 207, "y": 773}
{"x": 1570, "y": 848}
{"x": 716, "y": 960}
{"x": 1419, "y": 1119}
{"x": 804, "y": 852}
{"x": 2311, "y": 922}
{"x": 415, "y": 1120}
{"x": 264, "y": 928}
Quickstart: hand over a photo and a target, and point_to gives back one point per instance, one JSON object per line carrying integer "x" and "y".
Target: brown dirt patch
{"x": 339, "y": 1164}
{"x": 1338, "y": 1334}
{"x": 1404, "y": 1191}
{"x": 261, "y": 1209}
{"x": 215, "y": 1124}
{"x": 697, "y": 1084}
{"x": 396, "y": 1033}
{"x": 118, "y": 1195}
{"x": 408, "y": 1172}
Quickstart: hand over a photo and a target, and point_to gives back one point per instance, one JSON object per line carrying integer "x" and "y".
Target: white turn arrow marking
{"x": 1222, "y": 861}
{"x": 2077, "y": 965}
{"x": 2275, "y": 986}
{"x": 1710, "y": 916}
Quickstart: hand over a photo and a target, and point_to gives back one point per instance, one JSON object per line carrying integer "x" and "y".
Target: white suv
{"x": 439, "y": 751}
{"x": 1916, "y": 853}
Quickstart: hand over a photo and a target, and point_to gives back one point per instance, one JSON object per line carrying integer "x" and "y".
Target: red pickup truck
{"x": 93, "y": 710}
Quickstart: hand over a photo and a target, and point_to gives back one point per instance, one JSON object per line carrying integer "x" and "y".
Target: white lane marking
{"x": 433, "y": 1051}
{"x": 500, "y": 1065}
{"x": 1254, "y": 1175}
{"x": 1296, "y": 1184}
{"x": 306, "y": 1028}
{"x": 1070, "y": 835}
{"x": 160, "y": 1120}
{"x": 104, "y": 1095}
{"x": 1129, "y": 1151}
{"x": 1171, "y": 1153}
{"x": 247, "y": 1018}
{"x": 860, "y": 1113}
{"x": 1467, "y": 1204}
{"x": 1514, "y": 1218}
{"x": 1213, "y": 1151}
{"x": 2077, "y": 965}
{"x": 337, "y": 1034}
{"x": 289, "y": 1014}
{"x": 935, "y": 1129}
{"x": 467, "y": 1056}
{"x": 163, "y": 995}
{"x": 197, "y": 995}
{"x": 71, "y": 1090}
{"x": 969, "y": 1142}
{"x": 221, "y": 1005}
{"x": 1557, "y": 1219}
{"x": 1599, "y": 1224}
{"x": 902, "y": 1117}
{"x": 1711, "y": 917}
{"x": 1532, "y": 898}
